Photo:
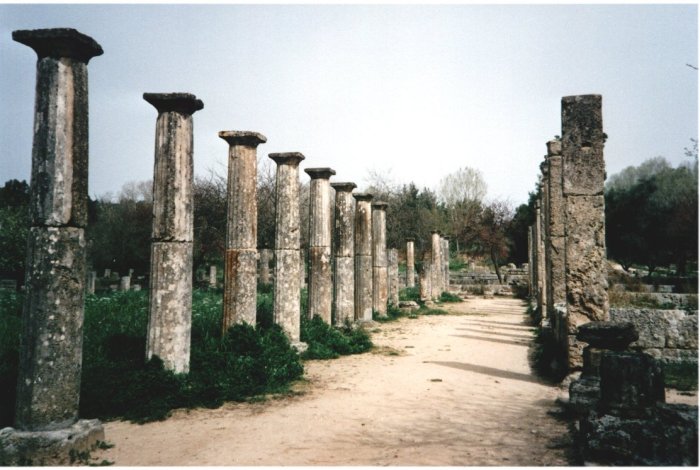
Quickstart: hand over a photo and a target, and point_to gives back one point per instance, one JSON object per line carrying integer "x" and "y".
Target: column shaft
{"x": 410, "y": 264}
{"x": 344, "y": 286}
{"x": 393, "y": 272}
{"x": 380, "y": 273}
{"x": 170, "y": 306}
{"x": 435, "y": 266}
{"x": 240, "y": 270}
{"x": 50, "y": 355}
{"x": 363, "y": 258}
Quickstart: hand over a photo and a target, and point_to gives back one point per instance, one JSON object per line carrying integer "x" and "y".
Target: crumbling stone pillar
{"x": 425, "y": 277}
{"x": 445, "y": 251}
{"x": 108, "y": 273}
{"x": 320, "y": 277}
{"x": 344, "y": 294}
{"x": 410, "y": 263}
{"x": 392, "y": 255}
{"x": 286, "y": 308}
{"x": 240, "y": 265}
{"x": 124, "y": 283}
{"x": 555, "y": 249}
{"x": 539, "y": 250}
{"x": 582, "y": 145}
{"x": 364, "y": 291}
{"x": 380, "y": 273}
{"x": 435, "y": 266}
{"x": 50, "y": 356}
{"x": 92, "y": 277}
{"x": 212, "y": 276}
{"x": 530, "y": 263}
{"x": 170, "y": 312}
{"x": 264, "y": 268}
{"x": 302, "y": 267}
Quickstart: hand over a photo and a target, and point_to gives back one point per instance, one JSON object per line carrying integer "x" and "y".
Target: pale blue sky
{"x": 410, "y": 91}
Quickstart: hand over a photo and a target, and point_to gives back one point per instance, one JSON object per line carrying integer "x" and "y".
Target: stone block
{"x": 240, "y": 287}
{"x": 286, "y": 308}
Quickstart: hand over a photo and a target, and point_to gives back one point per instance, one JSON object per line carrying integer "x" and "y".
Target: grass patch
{"x": 449, "y": 297}
{"x": 118, "y": 383}
{"x": 682, "y": 376}
{"x": 457, "y": 264}
{"x": 328, "y": 342}
{"x": 409, "y": 293}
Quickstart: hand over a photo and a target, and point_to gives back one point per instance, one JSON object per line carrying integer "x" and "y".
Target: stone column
{"x": 92, "y": 277}
{"x": 410, "y": 263}
{"x": 344, "y": 294}
{"x": 425, "y": 277}
{"x": 170, "y": 313}
{"x": 539, "y": 250}
{"x": 108, "y": 273}
{"x": 48, "y": 386}
{"x": 286, "y": 308}
{"x": 364, "y": 290}
{"x": 240, "y": 265}
{"x": 530, "y": 263}
{"x": 435, "y": 266}
{"x": 320, "y": 277}
{"x": 392, "y": 255}
{"x": 302, "y": 268}
{"x": 212, "y": 276}
{"x": 445, "y": 263}
{"x": 554, "y": 250}
{"x": 582, "y": 145}
{"x": 380, "y": 273}
{"x": 124, "y": 283}
{"x": 264, "y": 267}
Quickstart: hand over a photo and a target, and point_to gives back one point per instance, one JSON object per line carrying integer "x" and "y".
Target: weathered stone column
{"x": 212, "y": 276}
{"x": 392, "y": 255}
{"x": 302, "y": 267}
{"x": 50, "y": 356}
{"x": 380, "y": 273}
{"x": 410, "y": 263}
{"x": 344, "y": 294}
{"x": 445, "y": 251}
{"x": 425, "y": 277}
{"x": 435, "y": 266}
{"x": 170, "y": 313}
{"x": 582, "y": 145}
{"x": 286, "y": 308}
{"x": 264, "y": 267}
{"x": 364, "y": 291}
{"x": 124, "y": 283}
{"x": 532, "y": 281}
{"x": 92, "y": 277}
{"x": 320, "y": 276}
{"x": 554, "y": 250}
{"x": 539, "y": 247}
{"x": 240, "y": 265}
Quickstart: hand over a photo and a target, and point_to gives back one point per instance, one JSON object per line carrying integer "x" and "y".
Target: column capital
{"x": 380, "y": 205}
{"x": 184, "y": 103}
{"x": 344, "y": 187}
{"x": 554, "y": 147}
{"x": 59, "y": 42}
{"x": 245, "y": 138}
{"x": 287, "y": 158}
{"x": 319, "y": 173}
{"x": 362, "y": 196}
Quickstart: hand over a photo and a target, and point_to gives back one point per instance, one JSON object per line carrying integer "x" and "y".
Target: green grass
{"x": 449, "y": 297}
{"x": 410, "y": 293}
{"x": 328, "y": 342}
{"x": 116, "y": 380}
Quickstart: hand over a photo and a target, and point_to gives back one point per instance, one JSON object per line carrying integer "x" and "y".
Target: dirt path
{"x": 439, "y": 390}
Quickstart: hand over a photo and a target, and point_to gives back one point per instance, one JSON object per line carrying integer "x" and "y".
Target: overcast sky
{"x": 412, "y": 92}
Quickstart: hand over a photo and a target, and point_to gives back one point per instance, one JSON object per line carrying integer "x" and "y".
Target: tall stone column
{"x": 50, "y": 356}
{"x": 364, "y": 289}
{"x": 392, "y": 255}
{"x": 286, "y": 308}
{"x": 544, "y": 217}
{"x": 92, "y": 277}
{"x": 425, "y": 277}
{"x": 380, "y": 273}
{"x": 170, "y": 313}
{"x": 445, "y": 263}
{"x": 532, "y": 282}
{"x": 212, "y": 276}
{"x": 435, "y": 265}
{"x": 264, "y": 268}
{"x": 320, "y": 276}
{"x": 539, "y": 247}
{"x": 555, "y": 248}
{"x": 582, "y": 145}
{"x": 344, "y": 293}
{"x": 410, "y": 263}
{"x": 240, "y": 266}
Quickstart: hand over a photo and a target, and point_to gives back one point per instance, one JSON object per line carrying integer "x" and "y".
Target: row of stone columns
{"x": 435, "y": 275}
{"x": 567, "y": 242}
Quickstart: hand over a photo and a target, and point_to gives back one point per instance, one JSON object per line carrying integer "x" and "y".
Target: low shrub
{"x": 409, "y": 293}
{"x": 681, "y": 375}
{"x": 328, "y": 342}
{"x": 449, "y": 297}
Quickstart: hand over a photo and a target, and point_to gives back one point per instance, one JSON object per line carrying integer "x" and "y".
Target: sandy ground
{"x": 438, "y": 390}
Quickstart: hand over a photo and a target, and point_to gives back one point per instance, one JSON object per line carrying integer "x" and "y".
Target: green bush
{"x": 328, "y": 342}
{"x": 117, "y": 382}
{"x": 449, "y": 297}
{"x": 457, "y": 264}
{"x": 10, "y": 328}
{"x": 410, "y": 293}
{"x": 681, "y": 375}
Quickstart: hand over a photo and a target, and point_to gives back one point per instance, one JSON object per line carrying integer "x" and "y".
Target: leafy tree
{"x": 14, "y": 228}
{"x": 493, "y": 237}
